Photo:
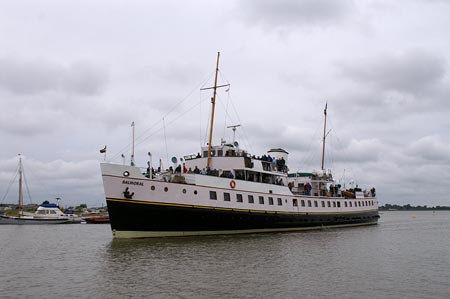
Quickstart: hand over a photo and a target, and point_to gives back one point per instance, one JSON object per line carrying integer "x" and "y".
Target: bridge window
{"x": 213, "y": 195}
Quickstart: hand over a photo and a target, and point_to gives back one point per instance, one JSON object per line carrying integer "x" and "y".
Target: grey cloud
{"x": 430, "y": 149}
{"x": 35, "y": 77}
{"x": 411, "y": 72}
{"x": 296, "y": 12}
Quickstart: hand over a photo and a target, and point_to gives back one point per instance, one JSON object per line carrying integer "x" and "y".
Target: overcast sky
{"x": 74, "y": 75}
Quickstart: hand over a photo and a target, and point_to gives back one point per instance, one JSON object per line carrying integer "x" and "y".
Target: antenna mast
{"x": 234, "y": 131}
{"x": 324, "y": 135}
{"x": 132, "y": 149}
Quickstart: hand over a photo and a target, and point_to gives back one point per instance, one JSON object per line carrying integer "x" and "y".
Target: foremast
{"x": 213, "y": 102}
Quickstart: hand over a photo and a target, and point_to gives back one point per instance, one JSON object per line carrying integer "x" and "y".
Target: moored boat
{"x": 227, "y": 190}
{"x": 46, "y": 213}
{"x": 96, "y": 219}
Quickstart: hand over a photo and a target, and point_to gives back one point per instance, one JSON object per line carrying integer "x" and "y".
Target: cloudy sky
{"x": 74, "y": 75}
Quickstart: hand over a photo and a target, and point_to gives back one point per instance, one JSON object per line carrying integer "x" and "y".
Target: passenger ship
{"x": 234, "y": 193}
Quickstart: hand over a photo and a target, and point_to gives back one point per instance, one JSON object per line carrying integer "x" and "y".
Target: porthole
{"x": 153, "y": 188}
{"x": 184, "y": 191}
{"x": 126, "y": 173}
{"x": 195, "y": 192}
{"x": 166, "y": 189}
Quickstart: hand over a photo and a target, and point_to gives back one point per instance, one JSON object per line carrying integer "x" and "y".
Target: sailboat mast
{"x": 324, "y": 135}
{"x": 213, "y": 102}
{"x": 20, "y": 183}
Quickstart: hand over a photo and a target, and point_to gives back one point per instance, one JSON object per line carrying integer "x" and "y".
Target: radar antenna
{"x": 233, "y": 127}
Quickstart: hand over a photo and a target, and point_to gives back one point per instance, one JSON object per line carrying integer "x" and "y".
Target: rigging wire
{"x": 10, "y": 183}
{"x": 202, "y": 83}
{"x": 165, "y": 140}
{"x": 26, "y": 185}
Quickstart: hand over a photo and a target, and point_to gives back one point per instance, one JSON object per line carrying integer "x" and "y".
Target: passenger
{"x": 178, "y": 169}
{"x": 190, "y": 170}
{"x": 203, "y": 171}
{"x": 307, "y": 188}
{"x": 198, "y": 155}
{"x": 196, "y": 170}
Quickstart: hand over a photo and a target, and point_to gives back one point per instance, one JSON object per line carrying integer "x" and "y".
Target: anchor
{"x": 127, "y": 194}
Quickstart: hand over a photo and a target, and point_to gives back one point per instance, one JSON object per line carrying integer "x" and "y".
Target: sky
{"x": 74, "y": 75}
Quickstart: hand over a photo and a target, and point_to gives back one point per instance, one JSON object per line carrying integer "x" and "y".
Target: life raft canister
{"x": 232, "y": 184}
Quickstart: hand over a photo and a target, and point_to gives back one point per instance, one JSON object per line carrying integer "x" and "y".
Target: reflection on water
{"x": 403, "y": 257}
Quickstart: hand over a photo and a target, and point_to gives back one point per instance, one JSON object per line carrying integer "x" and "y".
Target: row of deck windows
{"x": 239, "y": 198}
{"x": 303, "y": 203}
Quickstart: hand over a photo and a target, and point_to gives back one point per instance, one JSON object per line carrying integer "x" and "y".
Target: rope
{"x": 10, "y": 184}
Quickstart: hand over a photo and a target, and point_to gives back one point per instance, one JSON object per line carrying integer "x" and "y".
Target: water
{"x": 402, "y": 257}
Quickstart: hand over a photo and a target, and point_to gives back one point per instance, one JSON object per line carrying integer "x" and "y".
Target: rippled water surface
{"x": 406, "y": 256}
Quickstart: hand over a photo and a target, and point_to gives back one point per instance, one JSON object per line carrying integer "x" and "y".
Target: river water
{"x": 406, "y": 256}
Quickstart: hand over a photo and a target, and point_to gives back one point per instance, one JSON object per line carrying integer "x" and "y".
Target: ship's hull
{"x": 139, "y": 219}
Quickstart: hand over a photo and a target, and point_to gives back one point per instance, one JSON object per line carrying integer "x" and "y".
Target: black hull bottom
{"x": 132, "y": 219}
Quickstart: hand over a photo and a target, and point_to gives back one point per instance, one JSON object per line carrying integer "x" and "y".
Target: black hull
{"x": 135, "y": 216}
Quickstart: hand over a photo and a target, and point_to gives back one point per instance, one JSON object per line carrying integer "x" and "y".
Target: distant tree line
{"x": 409, "y": 207}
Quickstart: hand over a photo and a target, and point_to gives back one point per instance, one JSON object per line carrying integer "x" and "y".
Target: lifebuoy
{"x": 232, "y": 184}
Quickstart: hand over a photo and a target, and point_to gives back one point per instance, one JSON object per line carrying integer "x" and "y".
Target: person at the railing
{"x": 198, "y": 155}
{"x": 203, "y": 171}
{"x": 307, "y": 188}
{"x": 196, "y": 170}
{"x": 178, "y": 169}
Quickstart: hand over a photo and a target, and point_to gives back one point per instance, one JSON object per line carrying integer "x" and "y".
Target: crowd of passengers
{"x": 272, "y": 163}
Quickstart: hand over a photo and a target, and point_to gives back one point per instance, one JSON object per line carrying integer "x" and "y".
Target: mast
{"x": 213, "y": 102}
{"x": 324, "y": 135}
{"x": 20, "y": 184}
{"x": 132, "y": 149}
